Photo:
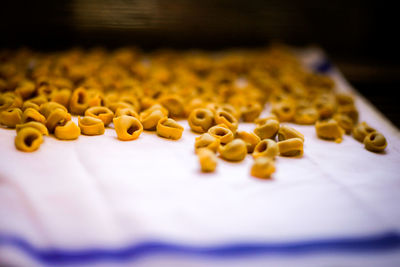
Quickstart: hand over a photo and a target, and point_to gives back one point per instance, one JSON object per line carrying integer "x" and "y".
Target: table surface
{"x": 103, "y": 201}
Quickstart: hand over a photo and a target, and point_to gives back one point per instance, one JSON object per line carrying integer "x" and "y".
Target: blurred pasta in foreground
{"x": 131, "y": 91}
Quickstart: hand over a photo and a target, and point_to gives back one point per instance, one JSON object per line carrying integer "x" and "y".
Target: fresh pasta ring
{"x": 224, "y": 117}
{"x": 150, "y": 119}
{"x": 224, "y": 134}
{"x": 126, "y": 111}
{"x": 127, "y": 127}
{"x": 251, "y": 111}
{"x": 306, "y": 116}
{"x": 100, "y": 112}
{"x": 291, "y": 147}
{"x": 31, "y": 114}
{"x": 344, "y": 121}
{"x": 266, "y": 148}
{"x": 47, "y": 108}
{"x": 268, "y": 130}
{"x": 361, "y": 130}
{"x": 251, "y": 140}
{"x": 11, "y": 117}
{"x": 263, "y": 167}
{"x": 284, "y": 110}
{"x": 329, "y": 130}
{"x": 262, "y": 121}
{"x": 375, "y": 142}
{"x": 285, "y": 132}
{"x": 169, "y": 128}
{"x": 68, "y": 131}
{"x": 28, "y": 139}
{"x": 91, "y": 126}
{"x": 79, "y": 101}
{"x": 174, "y": 105}
{"x": 207, "y": 160}
{"x": 30, "y": 104}
{"x": 62, "y": 97}
{"x": 56, "y": 118}
{"x": 34, "y": 124}
{"x": 206, "y": 140}
{"x": 200, "y": 120}
{"x": 235, "y": 150}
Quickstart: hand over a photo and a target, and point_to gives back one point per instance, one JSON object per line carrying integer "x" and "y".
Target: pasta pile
{"x": 135, "y": 91}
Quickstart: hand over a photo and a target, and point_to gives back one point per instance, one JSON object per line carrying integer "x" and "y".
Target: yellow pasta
{"x": 91, "y": 126}
{"x": 47, "y": 108}
{"x": 25, "y": 89}
{"x": 268, "y": 129}
{"x": 361, "y": 130}
{"x": 284, "y": 110}
{"x": 57, "y": 117}
{"x": 306, "y": 116}
{"x": 102, "y": 113}
{"x": 291, "y": 147}
{"x": 223, "y": 134}
{"x": 30, "y": 104}
{"x": 200, "y": 120}
{"x": 11, "y": 117}
{"x": 34, "y": 124}
{"x": 344, "y": 121}
{"x": 68, "y": 131}
{"x": 126, "y": 111}
{"x": 150, "y": 118}
{"x": 266, "y": 148}
{"x": 251, "y": 140}
{"x": 251, "y": 111}
{"x": 235, "y": 150}
{"x": 28, "y": 139}
{"x": 263, "y": 167}
{"x": 174, "y": 105}
{"x": 127, "y": 127}
{"x": 329, "y": 129}
{"x": 61, "y": 96}
{"x": 31, "y": 114}
{"x": 79, "y": 101}
{"x": 285, "y": 132}
{"x": 168, "y": 128}
{"x": 206, "y": 140}
{"x": 207, "y": 160}
{"x": 375, "y": 142}
{"x": 224, "y": 117}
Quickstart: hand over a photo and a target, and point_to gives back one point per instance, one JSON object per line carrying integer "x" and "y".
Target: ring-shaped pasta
{"x": 375, "y": 142}
{"x": 206, "y": 140}
{"x": 291, "y": 147}
{"x": 100, "y": 112}
{"x": 235, "y": 150}
{"x": 224, "y": 134}
{"x": 207, "y": 160}
{"x": 127, "y": 127}
{"x": 11, "y": 117}
{"x": 200, "y": 120}
{"x": 31, "y": 114}
{"x": 28, "y": 139}
{"x": 251, "y": 140}
{"x": 263, "y": 167}
{"x": 68, "y": 131}
{"x": 169, "y": 128}
{"x": 266, "y": 148}
{"x": 91, "y": 126}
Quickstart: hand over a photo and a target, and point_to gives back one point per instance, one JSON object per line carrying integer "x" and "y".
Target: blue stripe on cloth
{"x": 323, "y": 66}
{"x": 385, "y": 241}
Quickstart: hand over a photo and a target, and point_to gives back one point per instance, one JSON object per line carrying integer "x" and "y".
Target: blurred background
{"x": 359, "y": 36}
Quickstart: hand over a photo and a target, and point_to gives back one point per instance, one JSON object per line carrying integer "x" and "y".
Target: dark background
{"x": 359, "y": 36}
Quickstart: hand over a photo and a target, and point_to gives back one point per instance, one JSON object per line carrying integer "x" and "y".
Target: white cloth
{"x": 102, "y": 192}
